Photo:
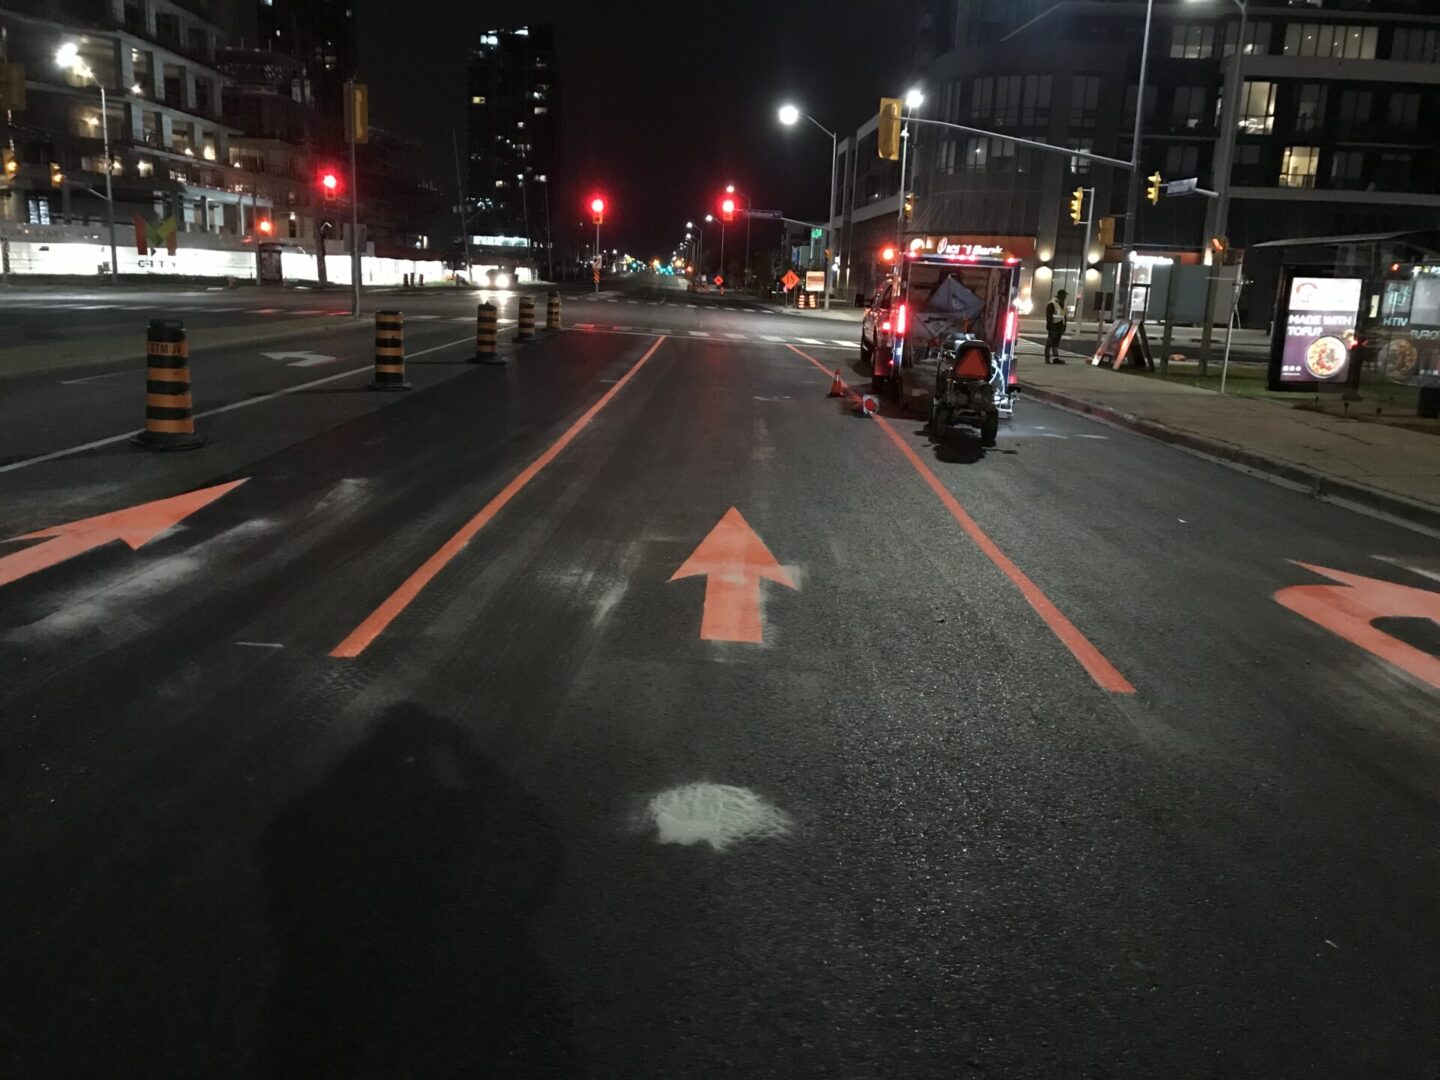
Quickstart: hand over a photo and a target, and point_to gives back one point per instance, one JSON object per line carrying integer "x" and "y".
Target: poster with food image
{"x": 1320, "y": 329}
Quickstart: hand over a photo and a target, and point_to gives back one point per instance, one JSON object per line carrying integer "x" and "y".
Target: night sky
{"x": 663, "y": 103}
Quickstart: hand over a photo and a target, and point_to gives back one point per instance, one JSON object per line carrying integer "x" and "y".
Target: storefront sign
{"x": 1319, "y": 330}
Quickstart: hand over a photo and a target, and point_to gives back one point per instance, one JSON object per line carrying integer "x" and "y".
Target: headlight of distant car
{"x": 502, "y": 281}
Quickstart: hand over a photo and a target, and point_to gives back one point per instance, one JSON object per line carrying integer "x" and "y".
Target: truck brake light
{"x": 1010, "y": 326}
{"x": 902, "y": 319}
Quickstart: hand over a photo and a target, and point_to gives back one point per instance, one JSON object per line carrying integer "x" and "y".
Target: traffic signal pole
{"x": 1084, "y": 261}
{"x": 598, "y": 259}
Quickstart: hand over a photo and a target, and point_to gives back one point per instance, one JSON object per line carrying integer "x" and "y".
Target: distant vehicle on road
{"x": 915, "y": 328}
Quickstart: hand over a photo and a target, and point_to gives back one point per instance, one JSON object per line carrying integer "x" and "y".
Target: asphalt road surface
{"x": 634, "y": 710}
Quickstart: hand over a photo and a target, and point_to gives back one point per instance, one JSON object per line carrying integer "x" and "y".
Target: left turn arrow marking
{"x": 137, "y": 526}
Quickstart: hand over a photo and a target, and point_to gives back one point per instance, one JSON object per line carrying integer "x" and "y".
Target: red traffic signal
{"x": 727, "y": 209}
{"x": 329, "y": 181}
{"x": 887, "y": 254}
{"x": 264, "y": 226}
{"x": 597, "y": 210}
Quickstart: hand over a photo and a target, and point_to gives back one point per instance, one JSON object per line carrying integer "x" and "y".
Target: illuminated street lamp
{"x": 68, "y": 58}
{"x": 789, "y": 116}
{"x": 914, "y": 98}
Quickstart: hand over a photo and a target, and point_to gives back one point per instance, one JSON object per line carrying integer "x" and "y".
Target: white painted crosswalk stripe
{"x": 810, "y": 341}
{"x": 838, "y": 341}
{"x": 698, "y": 333}
{"x": 736, "y": 337}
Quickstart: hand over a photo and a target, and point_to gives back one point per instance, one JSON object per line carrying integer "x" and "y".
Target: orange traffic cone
{"x": 837, "y": 388}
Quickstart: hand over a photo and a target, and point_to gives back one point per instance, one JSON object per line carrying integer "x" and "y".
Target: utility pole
{"x": 1084, "y": 261}
{"x": 1132, "y": 192}
{"x": 460, "y": 206}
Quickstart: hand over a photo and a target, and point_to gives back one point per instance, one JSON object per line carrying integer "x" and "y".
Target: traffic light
{"x": 1105, "y": 231}
{"x": 727, "y": 209}
{"x": 909, "y": 207}
{"x": 1077, "y": 206}
{"x": 357, "y": 112}
{"x": 597, "y": 210}
{"x": 887, "y": 255}
{"x": 1153, "y": 191}
{"x": 264, "y": 227}
{"x": 329, "y": 184}
{"x": 56, "y": 176}
{"x": 887, "y": 137}
{"x": 11, "y": 165}
{"x": 1219, "y": 248}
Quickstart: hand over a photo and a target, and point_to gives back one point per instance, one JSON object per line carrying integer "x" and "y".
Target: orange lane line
{"x": 1105, "y": 674}
{"x": 375, "y": 623}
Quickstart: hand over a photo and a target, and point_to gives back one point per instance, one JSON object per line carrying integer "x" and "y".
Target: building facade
{"x": 514, "y": 127}
{"x": 1329, "y": 136}
{"x": 170, "y": 142}
{"x": 320, "y": 34}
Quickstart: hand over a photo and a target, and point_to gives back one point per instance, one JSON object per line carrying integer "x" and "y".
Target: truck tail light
{"x": 902, "y": 320}
{"x": 1010, "y": 326}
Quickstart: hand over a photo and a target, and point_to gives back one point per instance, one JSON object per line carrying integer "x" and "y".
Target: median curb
{"x": 1319, "y": 484}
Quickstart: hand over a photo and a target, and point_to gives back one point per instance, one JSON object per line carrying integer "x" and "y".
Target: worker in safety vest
{"x": 1055, "y": 327}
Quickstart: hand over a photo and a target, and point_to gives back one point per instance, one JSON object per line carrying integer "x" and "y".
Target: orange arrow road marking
{"x": 733, "y": 561}
{"x": 1349, "y": 609}
{"x": 137, "y": 526}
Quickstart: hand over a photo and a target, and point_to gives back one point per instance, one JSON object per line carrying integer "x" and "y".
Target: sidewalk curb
{"x": 1319, "y": 485}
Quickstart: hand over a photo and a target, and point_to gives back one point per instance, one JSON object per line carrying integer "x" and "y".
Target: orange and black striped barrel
{"x": 526, "y": 330}
{"x": 487, "y": 319}
{"x": 552, "y": 312}
{"x": 389, "y": 351}
{"x": 169, "y": 410}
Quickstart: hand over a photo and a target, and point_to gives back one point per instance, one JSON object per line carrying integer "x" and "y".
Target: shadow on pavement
{"x": 398, "y": 891}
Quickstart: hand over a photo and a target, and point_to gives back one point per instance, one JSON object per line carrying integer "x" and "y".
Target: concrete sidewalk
{"x": 1377, "y": 465}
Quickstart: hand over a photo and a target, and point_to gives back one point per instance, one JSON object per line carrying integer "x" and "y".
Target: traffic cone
{"x": 837, "y": 388}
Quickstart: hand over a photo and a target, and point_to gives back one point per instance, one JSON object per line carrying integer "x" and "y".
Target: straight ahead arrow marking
{"x": 733, "y": 560}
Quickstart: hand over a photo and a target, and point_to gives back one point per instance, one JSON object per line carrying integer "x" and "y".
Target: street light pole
{"x": 789, "y": 114}
{"x": 109, "y": 192}
{"x": 1132, "y": 192}
{"x": 68, "y": 57}
{"x": 913, "y": 100}
{"x": 1224, "y": 156}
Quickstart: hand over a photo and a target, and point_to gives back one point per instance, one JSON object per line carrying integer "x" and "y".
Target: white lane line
{"x": 262, "y": 311}
{"x": 1102, "y": 438}
{"x": 96, "y": 378}
{"x": 96, "y": 444}
{"x": 772, "y": 337}
{"x": 698, "y": 333}
{"x": 692, "y": 306}
{"x": 736, "y": 337}
{"x": 423, "y": 318}
{"x": 96, "y": 307}
{"x": 261, "y": 644}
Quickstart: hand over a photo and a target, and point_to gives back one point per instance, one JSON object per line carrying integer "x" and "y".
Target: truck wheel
{"x": 936, "y": 430}
{"x": 989, "y": 428}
